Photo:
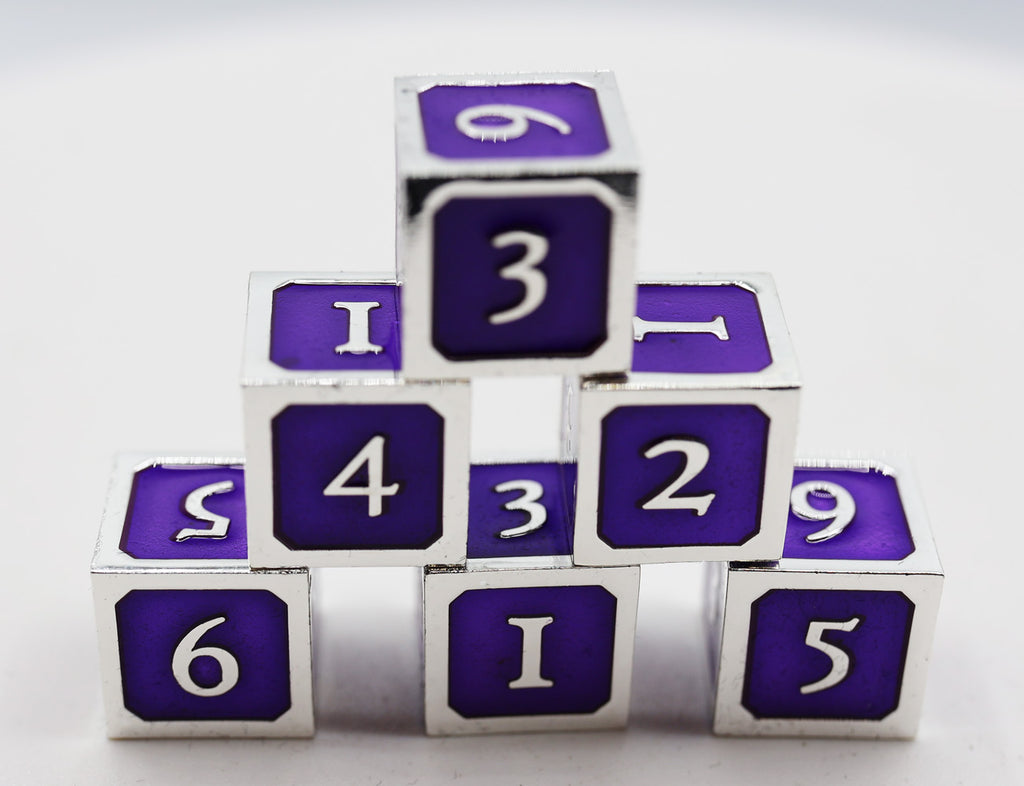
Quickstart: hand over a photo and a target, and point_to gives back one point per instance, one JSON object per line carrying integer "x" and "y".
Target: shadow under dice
{"x": 516, "y": 212}
{"x": 833, "y": 639}
{"x": 689, "y": 456}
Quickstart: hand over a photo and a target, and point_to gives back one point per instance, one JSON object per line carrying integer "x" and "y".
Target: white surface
{"x": 151, "y": 160}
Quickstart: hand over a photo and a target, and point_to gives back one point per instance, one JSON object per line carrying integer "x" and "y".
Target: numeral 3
{"x": 532, "y": 492}
{"x": 524, "y": 271}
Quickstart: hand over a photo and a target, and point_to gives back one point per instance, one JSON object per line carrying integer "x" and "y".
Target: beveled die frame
{"x": 774, "y": 390}
{"x": 919, "y": 577}
{"x": 115, "y": 574}
{"x": 427, "y": 182}
{"x": 441, "y": 586}
{"x": 267, "y": 389}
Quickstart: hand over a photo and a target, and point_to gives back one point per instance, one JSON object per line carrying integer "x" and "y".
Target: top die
{"x": 516, "y": 218}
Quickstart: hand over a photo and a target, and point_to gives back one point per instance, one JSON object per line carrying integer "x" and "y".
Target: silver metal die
{"x": 773, "y": 390}
{"x": 918, "y": 578}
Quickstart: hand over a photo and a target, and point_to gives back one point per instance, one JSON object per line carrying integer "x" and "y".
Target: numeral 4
{"x": 372, "y": 455}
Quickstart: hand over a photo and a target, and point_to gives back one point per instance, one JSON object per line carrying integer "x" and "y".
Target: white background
{"x": 151, "y": 155}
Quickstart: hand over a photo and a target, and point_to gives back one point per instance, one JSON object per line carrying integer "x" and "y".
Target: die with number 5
{"x": 833, "y": 639}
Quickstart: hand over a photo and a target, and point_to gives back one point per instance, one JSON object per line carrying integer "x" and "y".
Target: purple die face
{"x": 335, "y": 327}
{"x": 681, "y": 475}
{"x": 204, "y": 654}
{"x": 521, "y": 277}
{"x": 827, "y": 653}
{"x": 358, "y": 476}
{"x": 521, "y": 510}
{"x": 186, "y": 511}
{"x": 691, "y": 329}
{"x": 530, "y": 651}
{"x": 512, "y": 121}
{"x": 846, "y": 514}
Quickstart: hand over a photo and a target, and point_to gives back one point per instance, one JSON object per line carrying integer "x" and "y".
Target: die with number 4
{"x": 516, "y": 217}
{"x": 349, "y": 463}
{"x": 192, "y": 642}
{"x": 833, "y": 639}
{"x": 519, "y": 640}
{"x": 689, "y": 456}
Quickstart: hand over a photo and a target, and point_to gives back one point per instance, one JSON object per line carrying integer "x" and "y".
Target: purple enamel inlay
{"x": 313, "y": 443}
{"x": 468, "y": 287}
{"x": 156, "y": 512}
{"x": 486, "y": 650}
{"x": 780, "y": 662}
{"x": 736, "y": 438}
{"x": 573, "y": 104}
{"x": 488, "y": 516}
{"x": 878, "y": 530}
{"x": 306, "y": 328}
{"x": 702, "y": 352}
{"x": 152, "y": 623}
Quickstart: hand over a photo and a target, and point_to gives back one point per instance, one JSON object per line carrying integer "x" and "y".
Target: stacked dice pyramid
{"x": 516, "y": 219}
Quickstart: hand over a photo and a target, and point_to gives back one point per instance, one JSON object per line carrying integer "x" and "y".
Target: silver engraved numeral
{"x": 532, "y": 628}
{"x": 358, "y": 328}
{"x": 696, "y": 455}
{"x": 524, "y": 270}
{"x": 194, "y": 507}
{"x": 839, "y": 657}
{"x": 187, "y": 651}
{"x": 372, "y": 455}
{"x": 840, "y": 515}
{"x": 532, "y": 492}
{"x": 517, "y": 122}
{"x": 716, "y": 327}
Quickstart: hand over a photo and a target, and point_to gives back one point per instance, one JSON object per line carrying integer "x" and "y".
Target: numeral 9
{"x": 840, "y": 515}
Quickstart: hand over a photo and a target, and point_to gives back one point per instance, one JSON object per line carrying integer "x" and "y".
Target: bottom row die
{"x": 532, "y": 649}
{"x": 192, "y": 642}
{"x": 832, "y": 640}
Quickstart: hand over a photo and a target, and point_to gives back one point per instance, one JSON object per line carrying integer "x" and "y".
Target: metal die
{"x": 516, "y": 224}
{"x": 835, "y": 644}
{"x": 528, "y": 649}
{"x": 349, "y": 462}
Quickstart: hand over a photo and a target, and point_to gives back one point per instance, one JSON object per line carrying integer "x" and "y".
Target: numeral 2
{"x": 696, "y": 455}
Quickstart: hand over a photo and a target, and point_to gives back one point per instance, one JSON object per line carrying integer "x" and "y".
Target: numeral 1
{"x": 716, "y": 327}
{"x": 358, "y": 328}
{"x": 532, "y": 628}
{"x": 372, "y": 455}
